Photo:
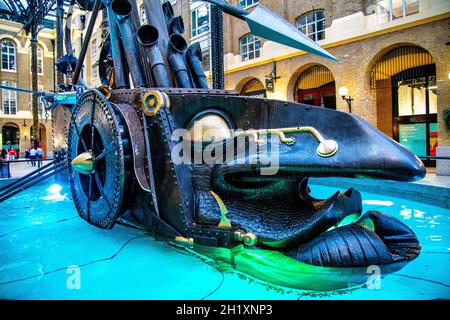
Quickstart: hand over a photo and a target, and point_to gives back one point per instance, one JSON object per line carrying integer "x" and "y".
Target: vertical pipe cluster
{"x": 121, "y": 78}
{"x": 122, "y": 10}
{"x": 155, "y": 54}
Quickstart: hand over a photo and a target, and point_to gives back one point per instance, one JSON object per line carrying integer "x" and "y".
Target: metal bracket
{"x": 326, "y": 148}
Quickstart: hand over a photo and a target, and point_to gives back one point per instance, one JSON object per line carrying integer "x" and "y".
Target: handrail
{"x": 33, "y": 175}
{"x": 6, "y": 195}
{"x": 435, "y": 157}
{"x": 26, "y": 176}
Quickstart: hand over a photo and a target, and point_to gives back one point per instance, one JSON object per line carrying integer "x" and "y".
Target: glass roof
{"x": 17, "y": 10}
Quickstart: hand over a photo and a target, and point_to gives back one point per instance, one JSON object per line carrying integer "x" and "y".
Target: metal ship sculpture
{"x": 121, "y": 144}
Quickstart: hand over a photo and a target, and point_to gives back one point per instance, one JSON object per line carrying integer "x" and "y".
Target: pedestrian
{"x": 33, "y": 156}
{"x": 39, "y": 153}
{"x": 4, "y": 157}
{"x": 27, "y": 155}
{"x": 12, "y": 154}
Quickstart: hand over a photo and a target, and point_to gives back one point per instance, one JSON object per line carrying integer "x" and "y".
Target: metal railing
{"x": 7, "y": 163}
{"x": 53, "y": 167}
{"x": 433, "y": 158}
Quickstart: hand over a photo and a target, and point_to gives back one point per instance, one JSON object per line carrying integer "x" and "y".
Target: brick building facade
{"x": 16, "y": 119}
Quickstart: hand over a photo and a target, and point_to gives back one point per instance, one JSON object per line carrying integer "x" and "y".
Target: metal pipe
{"x": 147, "y": 36}
{"x": 68, "y": 28}
{"x": 122, "y": 9}
{"x": 59, "y": 34}
{"x": 177, "y": 49}
{"x": 168, "y": 12}
{"x": 79, "y": 67}
{"x": 155, "y": 17}
{"x": 194, "y": 60}
{"x": 176, "y": 25}
{"x": 121, "y": 78}
{"x": 136, "y": 23}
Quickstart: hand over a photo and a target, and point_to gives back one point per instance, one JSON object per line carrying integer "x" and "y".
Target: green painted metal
{"x": 276, "y": 268}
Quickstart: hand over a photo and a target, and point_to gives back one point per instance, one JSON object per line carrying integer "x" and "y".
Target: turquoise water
{"x": 41, "y": 236}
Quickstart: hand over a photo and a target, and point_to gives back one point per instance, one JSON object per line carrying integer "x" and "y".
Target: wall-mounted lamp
{"x": 449, "y": 76}
{"x": 25, "y": 136}
{"x": 343, "y": 92}
{"x": 272, "y": 78}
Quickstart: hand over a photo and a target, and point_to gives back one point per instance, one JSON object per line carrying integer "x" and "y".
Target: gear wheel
{"x": 96, "y": 128}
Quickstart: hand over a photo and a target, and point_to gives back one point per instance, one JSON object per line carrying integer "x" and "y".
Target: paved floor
{"x": 434, "y": 180}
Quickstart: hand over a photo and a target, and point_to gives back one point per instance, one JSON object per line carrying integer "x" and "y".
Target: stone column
{"x": 443, "y": 83}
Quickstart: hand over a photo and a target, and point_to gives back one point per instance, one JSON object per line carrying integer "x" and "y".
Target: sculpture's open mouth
{"x": 283, "y": 216}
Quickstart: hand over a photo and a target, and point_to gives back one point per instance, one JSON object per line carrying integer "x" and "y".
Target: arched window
{"x": 313, "y": 24}
{"x": 8, "y": 56}
{"x": 250, "y": 47}
{"x": 9, "y": 98}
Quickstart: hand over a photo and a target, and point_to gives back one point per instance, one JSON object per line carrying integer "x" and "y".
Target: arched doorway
{"x": 316, "y": 86}
{"x": 405, "y": 82}
{"x": 41, "y": 138}
{"x": 254, "y": 88}
{"x": 11, "y": 136}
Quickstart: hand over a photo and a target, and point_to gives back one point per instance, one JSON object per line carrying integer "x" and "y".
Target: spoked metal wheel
{"x": 98, "y": 170}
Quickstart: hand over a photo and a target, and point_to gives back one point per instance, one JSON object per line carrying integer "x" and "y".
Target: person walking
{"x": 27, "y": 155}
{"x": 12, "y": 154}
{"x": 39, "y": 153}
{"x": 4, "y": 165}
{"x": 33, "y": 156}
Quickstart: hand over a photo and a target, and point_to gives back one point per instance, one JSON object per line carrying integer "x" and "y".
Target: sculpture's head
{"x": 262, "y": 183}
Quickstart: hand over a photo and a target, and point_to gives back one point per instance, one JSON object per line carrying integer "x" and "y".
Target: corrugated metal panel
{"x": 396, "y": 61}
{"x": 315, "y": 77}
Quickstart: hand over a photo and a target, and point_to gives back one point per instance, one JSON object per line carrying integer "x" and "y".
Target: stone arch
{"x": 40, "y": 44}
{"x": 296, "y": 77}
{"x": 10, "y": 131}
{"x": 8, "y": 37}
{"x": 291, "y": 93}
{"x": 385, "y": 47}
{"x": 395, "y": 73}
{"x": 241, "y": 86}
